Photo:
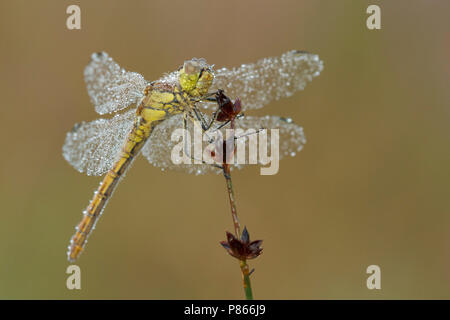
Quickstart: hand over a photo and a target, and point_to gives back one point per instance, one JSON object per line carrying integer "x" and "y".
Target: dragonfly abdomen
{"x": 134, "y": 143}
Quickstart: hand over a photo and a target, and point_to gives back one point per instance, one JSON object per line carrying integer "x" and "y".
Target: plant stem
{"x": 227, "y": 175}
{"x": 246, "y": 280}
{"x": 237, "y": 229}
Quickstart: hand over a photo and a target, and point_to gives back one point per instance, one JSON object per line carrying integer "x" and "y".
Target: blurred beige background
{"x": 370, "y": 187}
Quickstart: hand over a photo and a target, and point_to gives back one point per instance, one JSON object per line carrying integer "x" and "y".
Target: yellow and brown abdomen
{"x": 155, "y": 107}
{"x": 131, "y": 148}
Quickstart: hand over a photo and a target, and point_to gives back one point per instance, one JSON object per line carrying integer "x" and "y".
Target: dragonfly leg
{"x": 199, "y": 114}
{"x": 199, "y": 119}
{"x": 227, "y": 122}
{"x": 202, "y": 120}
{"x": 207, "y": 97}
{"x": 187, "y": 151}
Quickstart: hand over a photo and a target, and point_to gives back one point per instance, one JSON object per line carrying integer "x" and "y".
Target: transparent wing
{"x": 92, "y": 147}
{"x": 257, "y": 84}
{"x": 291, "y": 136}
{"x": 110, "y": 87}
{"x": 160, "y": 146}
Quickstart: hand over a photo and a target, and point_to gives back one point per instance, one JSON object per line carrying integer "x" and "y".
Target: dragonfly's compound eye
{"x": 205, "y": 80}
{"x": 196, "y": 76}
{"x": 189, "y": 76}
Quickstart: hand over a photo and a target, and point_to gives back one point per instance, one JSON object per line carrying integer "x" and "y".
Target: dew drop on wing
{"x": 110, "y": 87}
{"x": 92, "y": 147}
{"x": 76, "y": 126}
{"x": 257, "y": 84}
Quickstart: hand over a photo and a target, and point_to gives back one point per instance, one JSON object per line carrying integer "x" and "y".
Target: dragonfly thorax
{"x": 196, "y": 77}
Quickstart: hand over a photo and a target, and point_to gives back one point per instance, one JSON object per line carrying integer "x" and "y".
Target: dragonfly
{"x": 145, "y": 114}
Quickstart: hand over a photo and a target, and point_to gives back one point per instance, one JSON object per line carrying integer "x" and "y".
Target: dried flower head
{"x": 227, "y": 109}
{"x": 242, "y": 249}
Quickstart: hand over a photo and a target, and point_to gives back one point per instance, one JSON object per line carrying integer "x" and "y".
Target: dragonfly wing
{"x": 110, "y": 87}
{"x": 92, "y": 147}
{"x": 257, "y": 84}
{"x": 291, "y": 136}
{"x": 158, "y": 149}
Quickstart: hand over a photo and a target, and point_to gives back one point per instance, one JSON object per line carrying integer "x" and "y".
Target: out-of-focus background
{"x": 370, "y": 187}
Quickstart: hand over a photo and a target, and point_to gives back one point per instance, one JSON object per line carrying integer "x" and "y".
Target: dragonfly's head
{"x": 196, "y": 77}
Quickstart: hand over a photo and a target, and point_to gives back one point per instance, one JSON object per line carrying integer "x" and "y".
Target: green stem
{"x": 246, "y": 280}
